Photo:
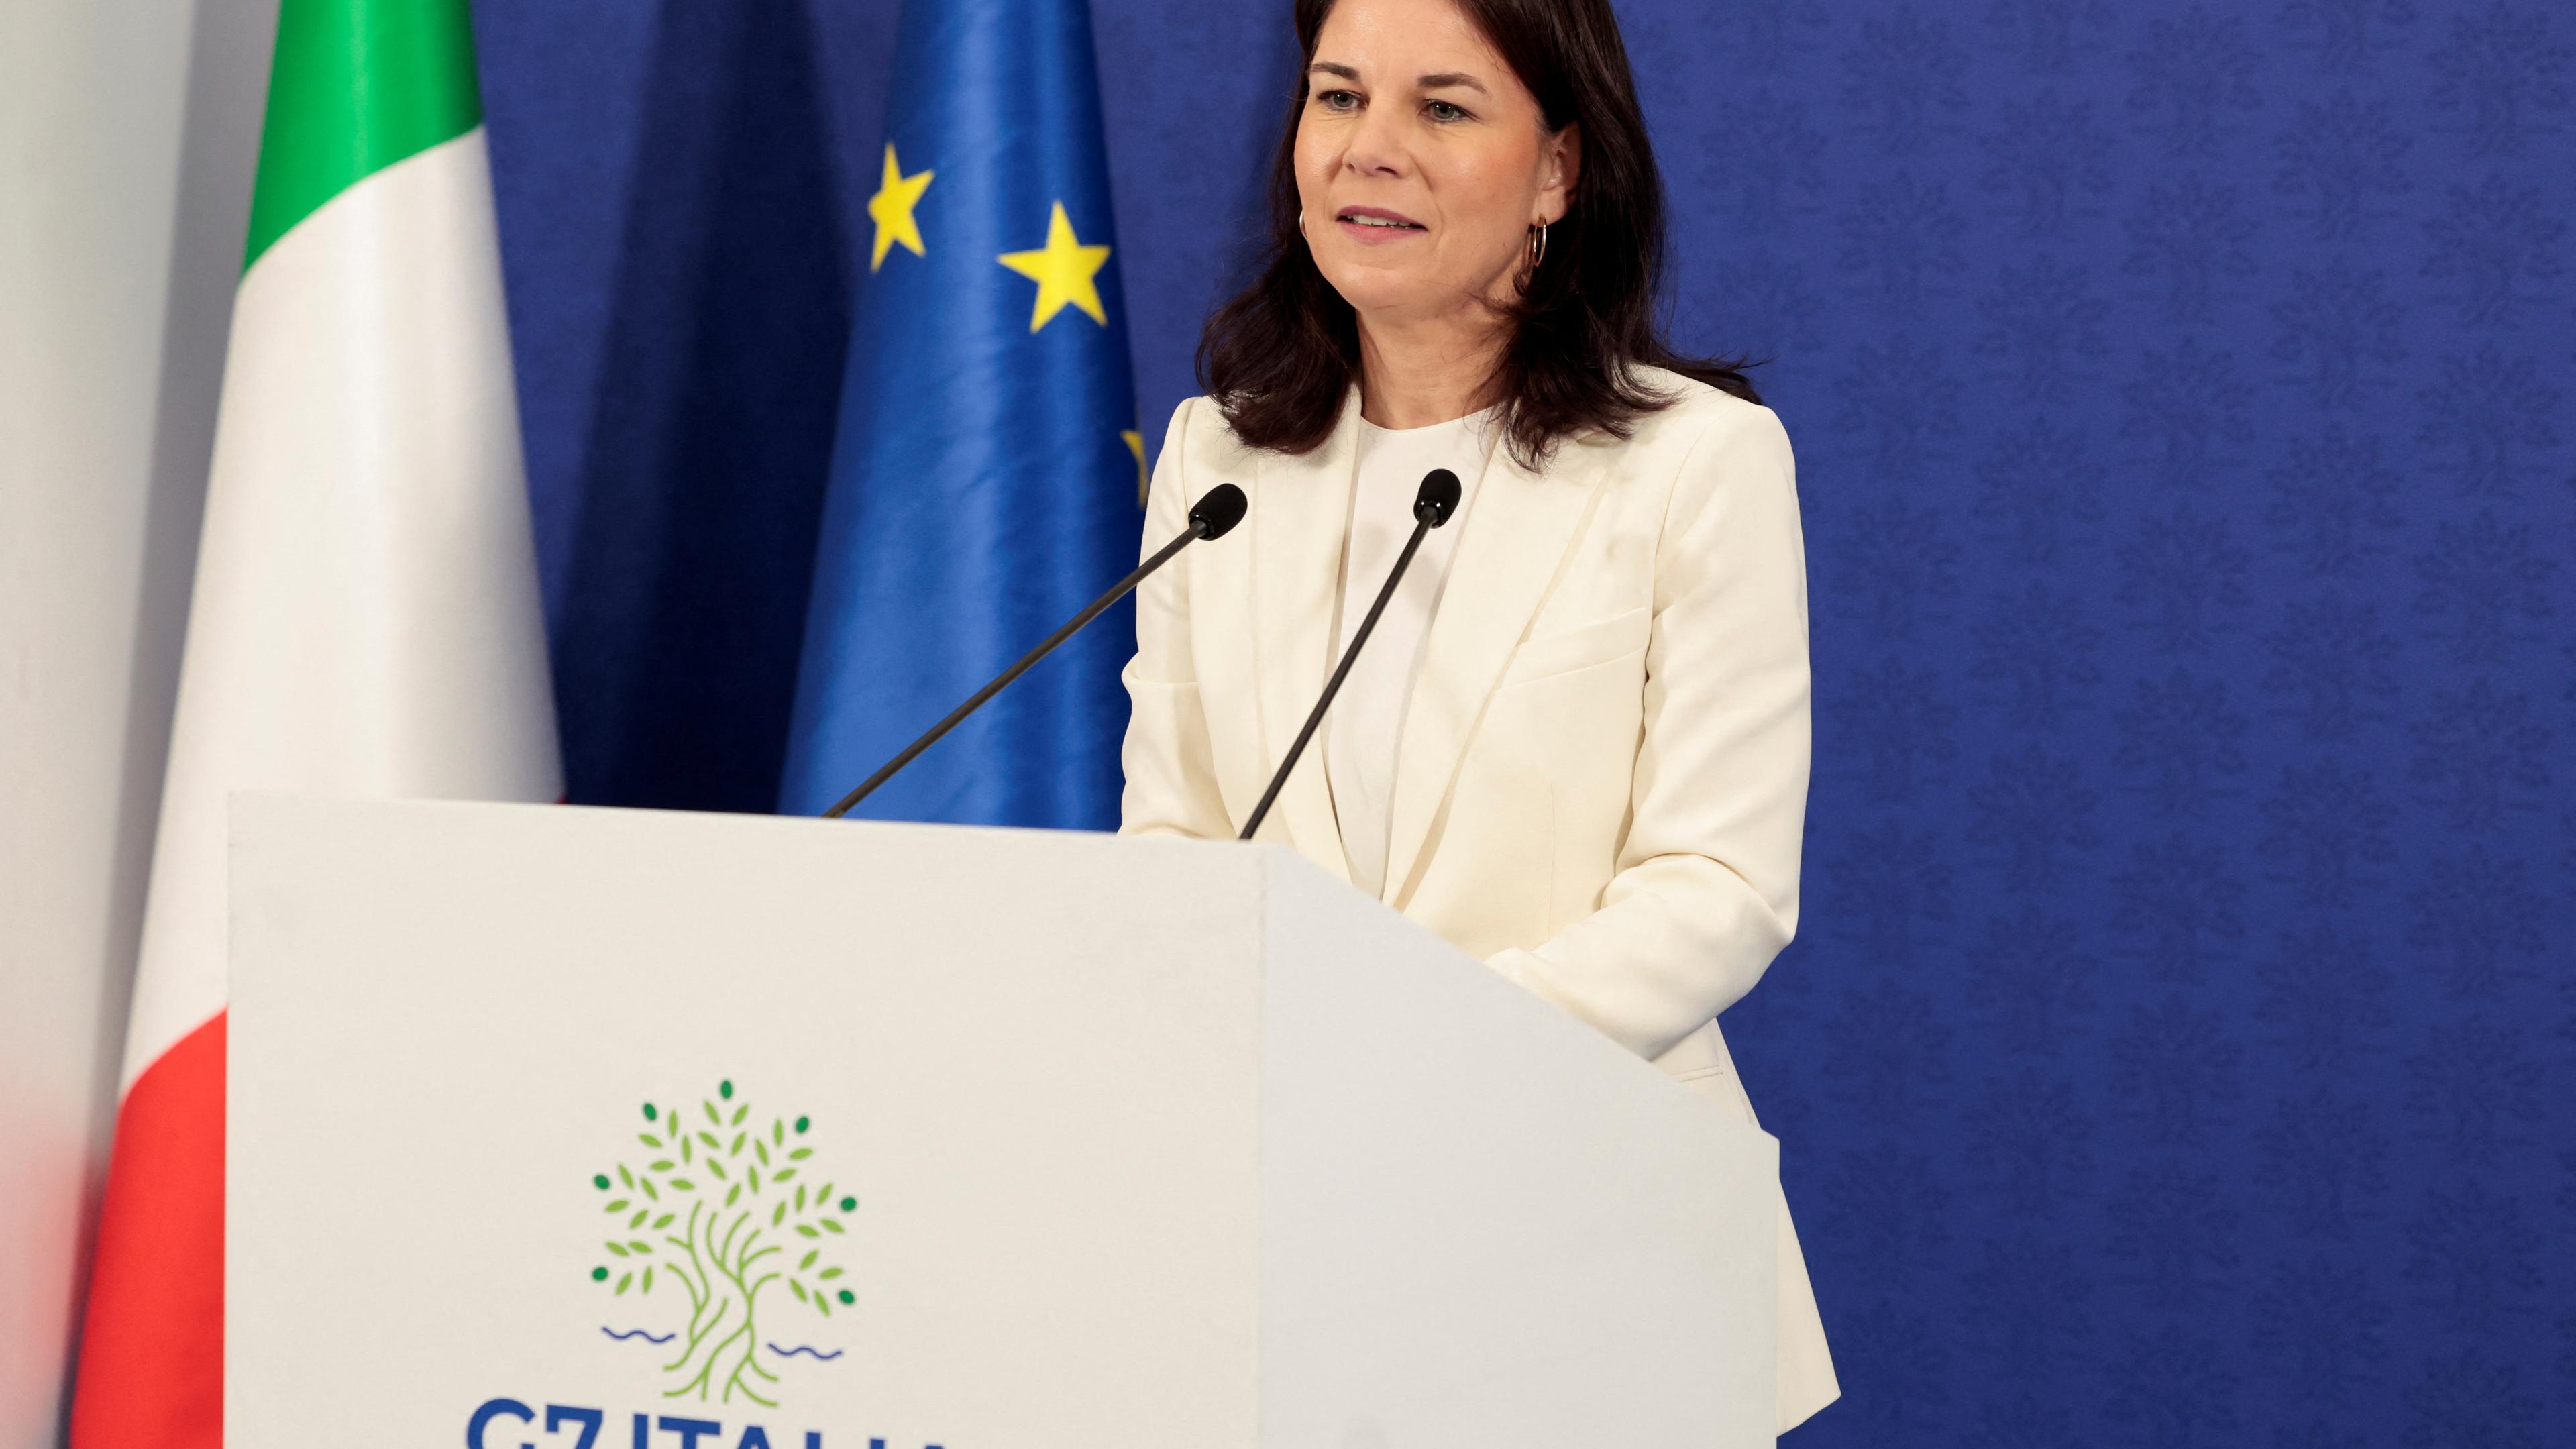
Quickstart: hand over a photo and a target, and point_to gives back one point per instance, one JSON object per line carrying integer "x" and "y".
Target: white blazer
{"x": 1602, "y": 780}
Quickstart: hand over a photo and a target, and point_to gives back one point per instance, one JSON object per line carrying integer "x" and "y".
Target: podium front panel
{"x": 488, "y": 1061}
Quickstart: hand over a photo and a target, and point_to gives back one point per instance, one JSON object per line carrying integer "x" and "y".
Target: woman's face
{"x": 1422, "y": 161}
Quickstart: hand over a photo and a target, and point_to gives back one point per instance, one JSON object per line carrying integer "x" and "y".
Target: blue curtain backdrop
{"x": 2177, "y": 1047}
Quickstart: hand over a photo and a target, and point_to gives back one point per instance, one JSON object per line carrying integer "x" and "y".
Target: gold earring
{"x": 1538, "y": 245}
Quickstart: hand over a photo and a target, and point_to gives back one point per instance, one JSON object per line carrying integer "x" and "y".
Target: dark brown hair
{"x": 1280, "y": 357}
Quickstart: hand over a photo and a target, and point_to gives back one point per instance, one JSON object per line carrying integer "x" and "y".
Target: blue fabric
{"x": 982, "y": 485}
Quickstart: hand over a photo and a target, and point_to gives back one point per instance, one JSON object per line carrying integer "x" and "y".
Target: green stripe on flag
{"x": 358, "y": 85}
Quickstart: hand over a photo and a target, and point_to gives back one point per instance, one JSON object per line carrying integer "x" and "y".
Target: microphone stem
{"x": 1117, "y": 591}
{"x": 1422, "y": 525}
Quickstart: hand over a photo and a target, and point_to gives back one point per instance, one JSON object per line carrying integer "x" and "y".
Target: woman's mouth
{"x": 1377, "y": 224}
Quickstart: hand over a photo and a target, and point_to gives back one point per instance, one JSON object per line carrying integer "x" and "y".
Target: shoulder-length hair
{"x": 1279, "y": 358}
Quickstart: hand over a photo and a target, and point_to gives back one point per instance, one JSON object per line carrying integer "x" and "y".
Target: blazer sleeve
{"x": 1706, "y": 888}
{"x": 1171, "y": 777}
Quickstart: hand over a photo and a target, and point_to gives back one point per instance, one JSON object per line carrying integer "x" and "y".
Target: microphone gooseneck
{"x": 1213, "y": 516}
{"x": 1432, "y": 505}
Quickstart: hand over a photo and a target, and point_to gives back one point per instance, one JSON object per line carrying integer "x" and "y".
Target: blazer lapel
{"x": 1298, "y": 514}
{"x": 1521, "y": 527}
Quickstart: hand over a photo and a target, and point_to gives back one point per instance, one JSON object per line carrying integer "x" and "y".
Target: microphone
{"x": 1431, "y": 508}
{"x": 1213, "y": 516}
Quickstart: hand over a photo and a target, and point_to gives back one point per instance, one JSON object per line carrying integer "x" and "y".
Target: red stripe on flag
{"x": 152, "y": 1346}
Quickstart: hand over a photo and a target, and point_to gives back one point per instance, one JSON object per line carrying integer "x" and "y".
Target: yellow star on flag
{"x": 1136, "y": 445}
{"x": 891, "y": 210}
{"x": 1064, "y": 270}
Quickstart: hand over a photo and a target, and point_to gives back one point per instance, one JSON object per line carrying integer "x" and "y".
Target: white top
{"x": 1367, "y": 718}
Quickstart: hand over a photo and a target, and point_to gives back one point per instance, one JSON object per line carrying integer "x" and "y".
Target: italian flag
{"x": 365, "y": 618}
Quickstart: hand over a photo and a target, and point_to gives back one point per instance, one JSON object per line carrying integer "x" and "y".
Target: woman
{"x": 1577, "y": 744}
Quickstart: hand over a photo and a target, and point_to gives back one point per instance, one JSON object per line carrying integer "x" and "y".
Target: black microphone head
{"x": 1438, "y": 498}
{"x": 1218, "y": 511}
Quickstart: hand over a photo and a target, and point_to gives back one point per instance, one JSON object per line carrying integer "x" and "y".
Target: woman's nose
{"x": 1377, "y": 146}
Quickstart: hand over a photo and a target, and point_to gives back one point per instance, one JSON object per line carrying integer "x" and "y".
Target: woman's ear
{"x": 1564, "y": 164}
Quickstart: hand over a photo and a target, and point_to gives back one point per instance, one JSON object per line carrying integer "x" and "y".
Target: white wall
{"x": 128, "y": 137}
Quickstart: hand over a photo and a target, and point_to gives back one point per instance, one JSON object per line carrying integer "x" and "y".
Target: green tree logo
{"x": 722, "y": 1208}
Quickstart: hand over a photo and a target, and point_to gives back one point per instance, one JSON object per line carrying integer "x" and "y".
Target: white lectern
{"x": 591, "y": 1129}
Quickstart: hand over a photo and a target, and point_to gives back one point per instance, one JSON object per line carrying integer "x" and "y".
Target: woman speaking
{"x": 1576, "y": 744}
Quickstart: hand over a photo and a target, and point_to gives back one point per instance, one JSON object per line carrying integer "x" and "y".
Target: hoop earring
{"x": 1538, "y": 245}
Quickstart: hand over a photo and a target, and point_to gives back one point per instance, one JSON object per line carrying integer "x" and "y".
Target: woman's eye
{"x": 1337, "y": 100}
{"x": 1444, "y": 111}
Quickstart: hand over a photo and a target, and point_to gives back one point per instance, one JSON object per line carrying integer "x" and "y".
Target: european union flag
{"x": 986, "y": 475}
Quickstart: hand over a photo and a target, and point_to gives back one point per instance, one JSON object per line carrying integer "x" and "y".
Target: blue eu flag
{"x": 986, "y": 475}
